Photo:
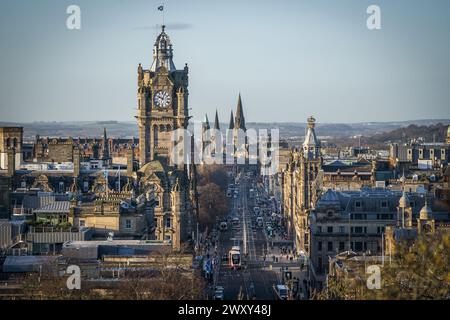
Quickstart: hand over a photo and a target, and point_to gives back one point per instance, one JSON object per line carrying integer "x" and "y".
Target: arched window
{"x": 162, "y": 128}
{"x": 15, "y": 142}
{"x": 168, "y": 128}
{"x": 8, "y": 142}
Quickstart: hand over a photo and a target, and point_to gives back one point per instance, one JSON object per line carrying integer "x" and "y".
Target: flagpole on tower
{"x": 161, "y": 8}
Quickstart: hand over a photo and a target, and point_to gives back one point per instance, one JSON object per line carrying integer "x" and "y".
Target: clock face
{"x": 162, "y": 99}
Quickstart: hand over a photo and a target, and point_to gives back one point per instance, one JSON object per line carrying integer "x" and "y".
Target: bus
{"x": 234, "y": 257}
{"x": 282, "y": 292}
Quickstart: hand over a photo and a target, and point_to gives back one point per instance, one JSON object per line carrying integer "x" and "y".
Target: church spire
{"x": 216, "y": 122}
{"x": 105, "y": 146}
{"x": 206, "y": 122}
{"x": 231, "y": 121}
{"x": 240, "y": 120}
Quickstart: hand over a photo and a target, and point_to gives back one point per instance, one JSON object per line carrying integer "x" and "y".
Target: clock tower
{"x": 162, "y": 102}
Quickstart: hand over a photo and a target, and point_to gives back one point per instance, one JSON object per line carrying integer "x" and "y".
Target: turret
{"x": 311, "y": 145}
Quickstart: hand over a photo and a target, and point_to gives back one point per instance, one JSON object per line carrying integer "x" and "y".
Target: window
{"x": 167, "y": 237}
{"x": 380, "y": 230}
{"x": 127, "y": 224}
{"x": 118, "y": 186}
{"x": 358, "y": 204}
{"x": 384, "y": 204}
{"x": 82, "y": 223}
{"x": 341, "y": 246}
{"x": 358, "y": 246}
{"x": 85, "y": 186}
{"x": 330, "y": 214}
{"x": 319, "y": 246}
{"x": 330, "y": 246}
{"x": 357, "y": 229}
{"x": 23, "y": 184}
{"x": 319, "y": 229}
{"x": 61, "y": 187}
{"x": 341, "y": 229}
{"x": 168, "y": 222}
{"x": 330, "y": 229}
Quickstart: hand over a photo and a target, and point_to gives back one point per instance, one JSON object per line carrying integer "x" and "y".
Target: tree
{"x": 417, "y": 272}
{"x": 212, "y": 204}
{"x": 213, "y": 174}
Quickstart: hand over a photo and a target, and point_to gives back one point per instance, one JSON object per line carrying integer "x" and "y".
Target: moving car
{"x": 218, "y": 293}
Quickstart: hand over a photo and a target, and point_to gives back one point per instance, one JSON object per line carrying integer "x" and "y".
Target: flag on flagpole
{"x": 161, "y": 8}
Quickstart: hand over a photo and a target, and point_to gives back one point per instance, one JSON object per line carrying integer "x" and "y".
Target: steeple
{"x": 162, "y": 52}
{"x": 206, "y": 123}
{"x": 240, "y": 120}
{"x": 105, "y": 146}
{"x": 216, "y": 122}
{"x": 231, "y": 121}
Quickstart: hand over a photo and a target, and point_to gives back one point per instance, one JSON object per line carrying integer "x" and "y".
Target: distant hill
{"x": 431, "y": 133}
{"x": 340, "y": 133}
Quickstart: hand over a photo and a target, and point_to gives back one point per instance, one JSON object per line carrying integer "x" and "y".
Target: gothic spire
{"x": 206, "y": 122}
{"x": 216, "y": 122}
{"x": 240, "y": 120}
{"x": 105, "y": 145}
{"x": 231, "y": 121}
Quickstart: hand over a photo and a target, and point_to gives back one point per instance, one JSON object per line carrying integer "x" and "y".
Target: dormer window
{"x": 384, "y": 204}
{"x": 330, "y": 214}
{"x": 358, "y": 204}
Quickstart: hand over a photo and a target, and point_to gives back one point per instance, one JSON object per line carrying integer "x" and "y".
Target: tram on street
{"x": 234, "y": 257}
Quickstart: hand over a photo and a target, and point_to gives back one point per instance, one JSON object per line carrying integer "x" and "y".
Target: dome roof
{"x": 404, "y": 201}
{"x": 425, "y": 212}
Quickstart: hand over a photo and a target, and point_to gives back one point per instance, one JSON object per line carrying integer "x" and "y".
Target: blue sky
{"x": 289, "y": 59}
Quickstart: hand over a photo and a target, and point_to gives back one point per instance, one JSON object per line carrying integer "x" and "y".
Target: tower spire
{"x": 240, "y": 120}
{"x": 231, "y": 121}
{"x": 105, "y": 146}
{"x": 206, "y": 122}
{"x": 216, "y": 122}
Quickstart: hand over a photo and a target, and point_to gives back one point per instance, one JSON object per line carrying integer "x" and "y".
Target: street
{"x": 262, "y": 260}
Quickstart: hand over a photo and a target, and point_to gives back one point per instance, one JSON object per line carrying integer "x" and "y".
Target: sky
{"x": 288, "y": 59}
